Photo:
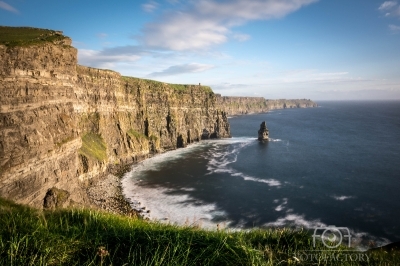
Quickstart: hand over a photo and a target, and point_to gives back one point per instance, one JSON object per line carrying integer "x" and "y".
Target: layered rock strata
{"x": 63, "y": 125}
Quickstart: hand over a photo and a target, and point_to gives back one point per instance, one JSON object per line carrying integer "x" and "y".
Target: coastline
{"x": 106, "y": 193}
{"x": 158, "y": 197}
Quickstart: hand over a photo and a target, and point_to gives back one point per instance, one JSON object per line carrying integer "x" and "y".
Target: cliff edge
{"x": 63, "y": 125}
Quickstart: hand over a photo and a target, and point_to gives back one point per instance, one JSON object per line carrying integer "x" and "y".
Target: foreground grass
{"x": 86, "y": 237}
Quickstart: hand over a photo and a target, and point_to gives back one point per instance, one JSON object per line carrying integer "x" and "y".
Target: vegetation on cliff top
{"x": 158, "y": 84}
{"x": 85, "y": 237}
{"x": 25, "y": 36}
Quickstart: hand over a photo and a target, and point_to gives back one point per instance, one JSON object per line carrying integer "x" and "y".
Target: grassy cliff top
{"x": 25, "y": 36}
{"x": 159, "y": 84}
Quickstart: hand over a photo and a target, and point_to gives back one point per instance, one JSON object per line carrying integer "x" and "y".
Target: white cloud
{"x": 243, "y": 10}
{"x": 106, "y": 58}
{"x": 241, "y": 37}
{"x": 205, "y": 23}
{"x": 150, "y": 6}
{"x": 102, "y": 35}
{"x": 394, "y": 28}
{"x": 310, "y": 76}
{"x": 181, "y": 69}
{"x": 5, "y": 6}
{"x": 387, "y": 5}
{"x": 182, "y": 31}
{"x": 391, "y": 9}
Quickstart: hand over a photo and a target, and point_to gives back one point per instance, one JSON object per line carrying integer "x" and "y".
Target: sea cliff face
{"x": 63, "y": 125}
{"x": 247, "y": 105}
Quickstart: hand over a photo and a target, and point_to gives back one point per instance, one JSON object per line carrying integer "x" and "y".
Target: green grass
{"x": 153, "y": 138}
{"x": 93, "y": 146}
{"x": 134, "y": 134}
{"x": 25, "y": 36}
{"x": 141, "y": 137}
{"x": 158, "y": 84}
{"x": 86, "y": 237}
{"x": 207, "y": 89}
{"x": 179, "y": 87}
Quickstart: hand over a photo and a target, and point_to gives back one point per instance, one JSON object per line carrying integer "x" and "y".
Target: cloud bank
{"x": 191, "y": 28}
{"x": 205, "y": 23}
{"x": 107, "y": 58}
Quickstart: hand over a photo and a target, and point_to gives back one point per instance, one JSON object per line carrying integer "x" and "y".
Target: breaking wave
{"x": 341, "y": 198}
{"x": 220, "y": 159}
{"x": 179, "y": 207}
{"x": 359, "y": 240}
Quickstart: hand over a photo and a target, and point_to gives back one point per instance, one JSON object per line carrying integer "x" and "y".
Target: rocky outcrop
{"x": 55, "y": 198}
{"x": 263, "y": 132}
{"x": 248, "y": 105}
{"x": 63, "y": 125}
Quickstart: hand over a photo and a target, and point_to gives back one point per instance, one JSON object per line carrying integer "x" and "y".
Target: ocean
{"x": 335, "y": 165}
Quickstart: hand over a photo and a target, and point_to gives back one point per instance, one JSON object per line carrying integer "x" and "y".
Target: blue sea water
{"x": 338, "y": 164}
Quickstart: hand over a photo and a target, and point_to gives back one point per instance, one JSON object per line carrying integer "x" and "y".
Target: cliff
{"x": 248, "y": 105}
{"x": 63, "y": 125}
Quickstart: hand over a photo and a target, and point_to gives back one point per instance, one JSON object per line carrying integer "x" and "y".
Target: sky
{"x": 313, "y": 49}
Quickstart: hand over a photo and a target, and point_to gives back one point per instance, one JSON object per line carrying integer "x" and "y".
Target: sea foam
{"x": 181, "y": 208}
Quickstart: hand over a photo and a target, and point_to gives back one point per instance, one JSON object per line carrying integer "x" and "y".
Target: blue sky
{"x": 317, "y": 49}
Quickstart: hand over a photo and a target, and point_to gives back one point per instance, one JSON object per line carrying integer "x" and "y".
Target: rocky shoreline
{"x": 106, "y": 194}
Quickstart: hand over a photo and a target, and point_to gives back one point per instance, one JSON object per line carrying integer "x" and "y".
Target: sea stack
{"x": 263, "y": 132}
